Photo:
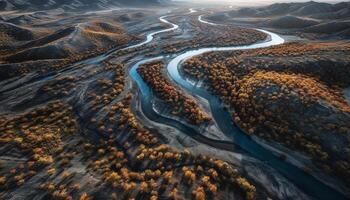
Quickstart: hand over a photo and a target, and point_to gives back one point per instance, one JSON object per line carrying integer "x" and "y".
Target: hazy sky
{"x": 257, "y": 2}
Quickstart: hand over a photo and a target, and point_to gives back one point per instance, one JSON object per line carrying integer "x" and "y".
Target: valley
{"x": 169, "y": 102}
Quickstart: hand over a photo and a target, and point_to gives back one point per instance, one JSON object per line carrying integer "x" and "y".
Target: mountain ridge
{"x": 311, "y": 8}
{"x": 10, "y": 5}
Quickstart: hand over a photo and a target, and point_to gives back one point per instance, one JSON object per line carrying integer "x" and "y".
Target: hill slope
{"x": 290, "y": 22}
{"x": 69, "y": 4}
{"x": 313, "y": 20}
{"x": 311, "y": 9}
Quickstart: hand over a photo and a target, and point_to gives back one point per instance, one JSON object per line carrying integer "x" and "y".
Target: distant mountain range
{"x": 71, "y": 4}
{"x": 323, "y": 19}
{"x": 311, "y": 9}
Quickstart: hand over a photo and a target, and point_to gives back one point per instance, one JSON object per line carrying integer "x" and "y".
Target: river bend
{"x": 305, "y": 182}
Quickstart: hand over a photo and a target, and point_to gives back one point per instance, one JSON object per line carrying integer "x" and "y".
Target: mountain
{"x": 6, "y": 5}
{"x": 312, "y": 9}
{"x": 289, "y": 21}
{"x": 340, "y": 28}
{"x": 317, "y": 19}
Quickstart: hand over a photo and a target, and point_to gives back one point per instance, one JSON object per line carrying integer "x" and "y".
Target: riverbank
{"x": 124, "y": 143}
{"x": 265, "y": 177}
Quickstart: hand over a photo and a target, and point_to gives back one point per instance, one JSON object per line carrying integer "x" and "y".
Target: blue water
{"x": 304, "y": 181}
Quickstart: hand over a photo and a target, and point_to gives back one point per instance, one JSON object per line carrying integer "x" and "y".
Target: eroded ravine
{"x": 307, "y": 183}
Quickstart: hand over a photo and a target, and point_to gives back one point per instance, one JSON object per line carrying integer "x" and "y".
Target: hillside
{"x": 140, "y": 100}
{"x": 290, "y": 22}
{"x": 287, "y": 94}
{"x": 312, "y": 20}
{"x": 6, "y": 5}
{"x": 71, "y": 40}
{"x": 53, "y": 39}
{"x": 311, "y": 8}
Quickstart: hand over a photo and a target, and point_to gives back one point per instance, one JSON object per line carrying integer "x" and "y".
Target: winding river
{"x": 200, "y": 18}
{"x": 149, "y": 38}
{"x": 305, "y": 182}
